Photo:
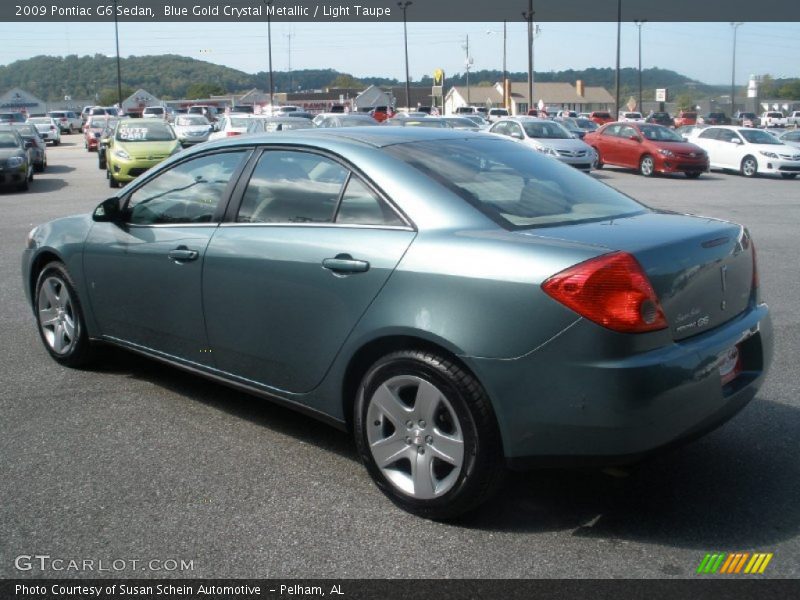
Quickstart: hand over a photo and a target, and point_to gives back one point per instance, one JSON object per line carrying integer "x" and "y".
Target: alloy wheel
{"x": 415, "y": 437}
{"x": 57, "y": 319}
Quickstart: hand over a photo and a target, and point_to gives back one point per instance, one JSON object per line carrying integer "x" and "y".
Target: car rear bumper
{"x": 585, "y": 398}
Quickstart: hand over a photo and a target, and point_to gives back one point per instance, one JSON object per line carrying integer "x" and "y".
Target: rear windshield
{"x": 155, "y": 110}
{"x": 185, "y": 121}
{"x": 144, "y": 131}
{"x": 513, "y": 186}
{"x": 602, "y": 115}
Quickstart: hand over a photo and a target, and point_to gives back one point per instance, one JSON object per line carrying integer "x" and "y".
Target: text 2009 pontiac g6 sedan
{"x": 458, "y": 300}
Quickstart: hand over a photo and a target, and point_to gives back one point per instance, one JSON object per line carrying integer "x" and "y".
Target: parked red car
{"x": 649, "y": 148}
{"x": 92, "y": 131}
{"x": 381, "y": 113}
{"x": 685, "y": 117}
{"x": 601, "y": 117}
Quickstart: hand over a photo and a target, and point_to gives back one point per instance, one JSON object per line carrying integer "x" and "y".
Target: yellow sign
{"x": 438, "y": 77}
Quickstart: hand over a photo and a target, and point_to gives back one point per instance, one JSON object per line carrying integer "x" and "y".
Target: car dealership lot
{"x": 141, "y": 461}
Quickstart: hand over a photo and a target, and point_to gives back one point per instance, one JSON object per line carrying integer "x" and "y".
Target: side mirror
{"x": 108, "y": 211}
{"x": 516, "y": 135}
{"x": 30, "y": 144}
{"x": 736, "y": 141}
{"x": 635, "y": 138}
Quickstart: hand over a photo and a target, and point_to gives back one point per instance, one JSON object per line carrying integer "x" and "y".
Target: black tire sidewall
{"x": 80, "y": 352}
{"x": 479, "y": 452}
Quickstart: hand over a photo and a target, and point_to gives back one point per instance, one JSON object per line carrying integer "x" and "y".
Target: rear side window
{"x": 301, "y": 187}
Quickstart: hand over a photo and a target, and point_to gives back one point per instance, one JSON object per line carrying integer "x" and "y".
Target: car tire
{"x": 788, "y": 175}
{"x": 693, "y": 174}
{"x": 599, "y": 163}
{"x": 426, "y": 433}
{"x": 59, "y": 317}
{"x": 647, "y": 166}
{"x": 24, "y": 186}
{"x": 749, "y": 166}
{"x": 112, "y": 183}
{"x": 56, "y": 142}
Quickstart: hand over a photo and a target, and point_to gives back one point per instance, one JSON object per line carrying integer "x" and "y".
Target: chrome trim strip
{"x": 336, "y": 225}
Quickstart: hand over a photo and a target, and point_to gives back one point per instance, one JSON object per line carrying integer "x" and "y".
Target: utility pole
{"x": 733, "y": 68}
{"x": 404, "y": 6}
{"x": 119, "y": 70}
{"x": 505, "y": 70}
{"x": 467, "y": 66}
{"x": 268, "y": 3}
{"x": 639, "y": 25}
{"x": 619, "y": 43}
{"x": 528, "y": 16}
{"x": 291, "y": 76}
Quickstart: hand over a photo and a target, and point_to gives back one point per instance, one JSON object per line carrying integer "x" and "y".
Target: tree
{"x": 204, "y": 90}
{"x": 344, "y": 80}
{"x": 108, "y": 95}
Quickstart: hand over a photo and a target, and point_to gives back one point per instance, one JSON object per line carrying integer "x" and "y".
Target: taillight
{"x": 612, "y": 290}
{"x": 233, "y": 133}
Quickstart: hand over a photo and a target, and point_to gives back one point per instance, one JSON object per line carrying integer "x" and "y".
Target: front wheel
{"x": 426, "y": 432}
{"x": 647, "y": 166}
{"x": 749, "y": 166}
{"x": 60, "y": 318}
{"x": 112, "y": 183}
{"x": 598, "y": 162}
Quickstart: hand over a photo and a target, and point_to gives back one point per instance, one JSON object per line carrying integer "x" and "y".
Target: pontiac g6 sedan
{"x": 460, "y": 302}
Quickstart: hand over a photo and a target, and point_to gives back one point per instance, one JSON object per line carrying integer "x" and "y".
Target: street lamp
{"x": 639, "y": 25}
{"x": 268, "y": 4}
{"x": 404, "y": 6}
{"x": 119, "y": 70}
{"x": 505, "y": 73}
{"x": 735, "y": 26}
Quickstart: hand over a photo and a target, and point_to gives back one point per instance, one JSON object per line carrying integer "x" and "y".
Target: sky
{"x": 701, "y": 51}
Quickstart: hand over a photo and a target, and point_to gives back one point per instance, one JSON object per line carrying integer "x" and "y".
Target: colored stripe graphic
{"x": 733, "y": 563}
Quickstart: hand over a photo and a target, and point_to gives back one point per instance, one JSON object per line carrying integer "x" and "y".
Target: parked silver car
{"x": 548, "y": 137}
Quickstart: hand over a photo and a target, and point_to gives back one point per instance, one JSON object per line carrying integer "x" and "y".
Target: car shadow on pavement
{"x": 45, "y": 186}
{"x": 57, "y": 169}
{"x": 737, "y": 488}
{"x": 241, "y": 405}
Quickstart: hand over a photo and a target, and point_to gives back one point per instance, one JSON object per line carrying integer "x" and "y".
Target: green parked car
{"x": 136, "y": 146}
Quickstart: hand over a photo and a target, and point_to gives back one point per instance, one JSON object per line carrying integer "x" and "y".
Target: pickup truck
{"x": 773, "y": 118}
{"x": 793, "y": 119}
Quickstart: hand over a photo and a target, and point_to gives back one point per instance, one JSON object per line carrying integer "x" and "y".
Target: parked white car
{"x": 773, "y": 118}
{"x": 231, "y": 125}
{"x": 749, "y": 151}
{"x": 48, "y": 129}
{"x": 791, "y": 138}
{"x": 68, "y": 120}
{"x": 793, "y": 119}
{"x": 191, "y": 129}
{"x": 631, "y": 117}
{"x": 548, "y": 137}
{"x": 495, "y": 114}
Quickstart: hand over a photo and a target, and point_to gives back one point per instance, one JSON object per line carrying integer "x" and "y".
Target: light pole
{"x": 505, "y": 71}
{"x": 619, "y": 43}
{"x": 119, "y": 70}
{"x": 735, "y": 26}
{"x": 268, "y": 4}
{"x": 467, "y": 67}
{"x": 528, "y": 16}
{"x": 404, "y": 6}
{"x": 639, "y": 25}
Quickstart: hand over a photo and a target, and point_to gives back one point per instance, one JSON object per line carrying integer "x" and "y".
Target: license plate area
{"x": 729, "y": 364}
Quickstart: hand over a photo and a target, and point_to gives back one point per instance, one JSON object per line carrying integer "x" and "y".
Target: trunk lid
{"x": 700, "y": 268}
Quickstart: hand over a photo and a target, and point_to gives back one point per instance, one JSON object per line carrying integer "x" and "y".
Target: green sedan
{"x": 137, "y": 145}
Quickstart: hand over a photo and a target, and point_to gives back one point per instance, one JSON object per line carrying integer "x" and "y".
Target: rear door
{"x": 299, "y": 261}
{"x": 707, "y": 139}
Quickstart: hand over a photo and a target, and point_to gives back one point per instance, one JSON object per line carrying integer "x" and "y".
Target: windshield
{"x": 756, "y": 136}
{"x": 462, "y": 122}
{"x": 188, "y": 121}
{"x": 658, "y": 133}
{"x": 587, "y": 124}
{"x": 27, "y": 130}
{"x": 513, "y": 186}
{"x": 98, "y": 122}
{"x": 239, "y": 122}
{"x": 8, "y": 140}
{"x": 142, "y": 131}
{"x": 549, "y": 130}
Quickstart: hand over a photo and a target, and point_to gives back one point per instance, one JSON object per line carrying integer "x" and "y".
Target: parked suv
{"x": 209, "y": 112}
{"x": 686, "y": 117}
{"x": 69, "y": 121}
{"x": 714, "y": 118}
{"x": 659, "y": 118}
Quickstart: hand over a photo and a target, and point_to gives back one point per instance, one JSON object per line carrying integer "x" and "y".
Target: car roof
{"x": 377, "y": 137}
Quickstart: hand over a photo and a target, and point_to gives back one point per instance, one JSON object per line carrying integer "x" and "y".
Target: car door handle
{"x": 344, "y": 263}
{"x": 183, "y": 254}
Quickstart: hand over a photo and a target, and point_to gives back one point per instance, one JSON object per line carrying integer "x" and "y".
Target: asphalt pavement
{"x": 136, "y": 461}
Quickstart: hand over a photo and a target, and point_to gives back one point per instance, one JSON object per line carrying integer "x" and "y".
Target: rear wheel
{"x": 749, "y": 167}
{"x": 426, "y": 432}
{"x": 788, "y": 175}
{"x": 647, "y": 166}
